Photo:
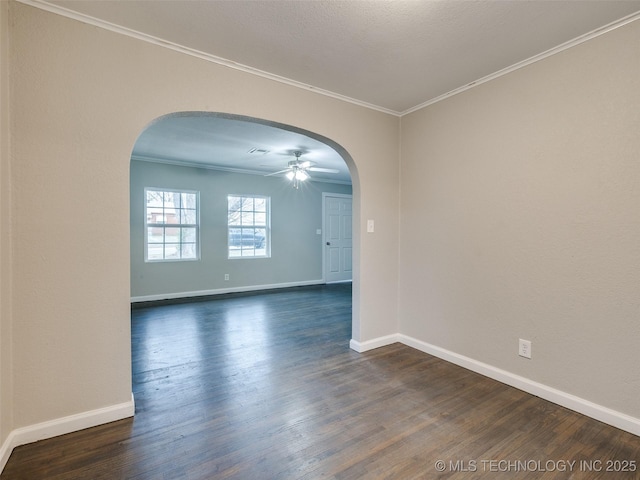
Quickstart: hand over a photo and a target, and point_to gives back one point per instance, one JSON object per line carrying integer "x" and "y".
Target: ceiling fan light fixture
{"x": 298, "y": 171}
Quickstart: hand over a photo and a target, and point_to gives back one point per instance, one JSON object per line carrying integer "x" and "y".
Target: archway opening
{"x": 206, "y": 158}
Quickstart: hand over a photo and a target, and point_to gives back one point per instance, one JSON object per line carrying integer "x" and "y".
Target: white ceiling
{"x": 393, "y": 56}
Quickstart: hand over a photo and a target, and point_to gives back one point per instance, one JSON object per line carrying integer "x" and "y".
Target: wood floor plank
{"x": 266, "y": 387}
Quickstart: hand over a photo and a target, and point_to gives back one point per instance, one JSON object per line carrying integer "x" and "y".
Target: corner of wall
{"x": 580, "y": 405}
{"x": 6, "y": 391}
{"x": 62, "y": 426}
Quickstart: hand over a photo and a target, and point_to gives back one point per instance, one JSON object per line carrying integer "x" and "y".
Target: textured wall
{"x": 520, "y": 219}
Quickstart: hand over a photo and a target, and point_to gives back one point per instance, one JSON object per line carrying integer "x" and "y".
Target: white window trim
{"x": 267, "y": 227}
{"x": 188, "y": 225}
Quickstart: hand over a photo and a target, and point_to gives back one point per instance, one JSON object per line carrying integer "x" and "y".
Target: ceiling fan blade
{"x": 324, "y": 170}
{"x": 305, "y": 165}
{"x": 278, "y": 172}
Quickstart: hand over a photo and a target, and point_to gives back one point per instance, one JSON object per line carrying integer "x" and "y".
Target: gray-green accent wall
{"x": 296, "y": 247}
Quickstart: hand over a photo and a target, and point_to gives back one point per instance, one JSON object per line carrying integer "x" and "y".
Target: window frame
{"x": 255, "y": 226}
{"x": 165, "y": 225}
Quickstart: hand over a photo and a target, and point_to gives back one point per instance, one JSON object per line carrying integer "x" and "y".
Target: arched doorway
{"x": 202, "y": 152}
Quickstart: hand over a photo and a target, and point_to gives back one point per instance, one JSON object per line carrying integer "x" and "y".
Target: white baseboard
{"x": 375, "y": 343}
{"x": 64, "y": 425}
{"x": 604, "y": 414}
{"x": 220, "y": 291}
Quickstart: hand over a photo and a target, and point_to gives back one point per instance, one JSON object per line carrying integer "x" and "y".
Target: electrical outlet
{"x": 226, "y": 277}
{"x": 524, "y": 348}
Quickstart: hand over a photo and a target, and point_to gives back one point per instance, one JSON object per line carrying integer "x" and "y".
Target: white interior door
{"x": 337, "y": 237}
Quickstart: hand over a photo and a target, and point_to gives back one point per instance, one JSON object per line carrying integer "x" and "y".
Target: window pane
{"x": 235, "y": 237}
{"x": 188, "y": 200}
{"x": 171, "y": 200}
{"x": 247, "y": 218}
{"x": 172, "y": 216}
{"x": 235, "y": 203}
{"x": 260, "y": 219}
{"x": 155, "y": 252}
{"x": 155, "y": 234}
{"x": 171, "y": 251}
{"x": 261, "y": 242}
{"x": 172, "y": 235}
{"x": 247, "y": 203}
{"x": 155, "y": 215}
{"x": 154, "y": 198}
{"x": 234, "y": 218}
{"x": 189, "y": 250}
{"x": 260, "y": 205}
{"x": 188, "y": 217}
{"x": 188, "y": 235}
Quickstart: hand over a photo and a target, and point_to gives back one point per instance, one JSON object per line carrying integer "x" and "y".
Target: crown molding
{"x": 206, "y": 166}
{"x": 536, "y": 58}
{"x": 44, "y": 5}
{"x": 96, "y": 22}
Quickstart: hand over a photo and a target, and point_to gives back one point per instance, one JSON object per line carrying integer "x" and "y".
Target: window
{"x": 171, "y": 225}
{"x": 248, "y": 225}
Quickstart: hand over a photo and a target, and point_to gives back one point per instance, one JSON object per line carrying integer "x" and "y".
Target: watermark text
{"x": 505, "y": 465}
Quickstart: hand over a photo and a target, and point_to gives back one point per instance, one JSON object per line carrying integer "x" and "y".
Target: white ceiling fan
{"x": 298, "y": 171}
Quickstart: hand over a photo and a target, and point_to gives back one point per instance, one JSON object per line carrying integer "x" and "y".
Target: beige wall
{"x": 5, "y": 227}
{"x": 520, "y": 218}
{"x": 80, "y": 97}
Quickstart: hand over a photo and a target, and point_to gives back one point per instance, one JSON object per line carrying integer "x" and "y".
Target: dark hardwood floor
{"x": 266, "y": 387}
